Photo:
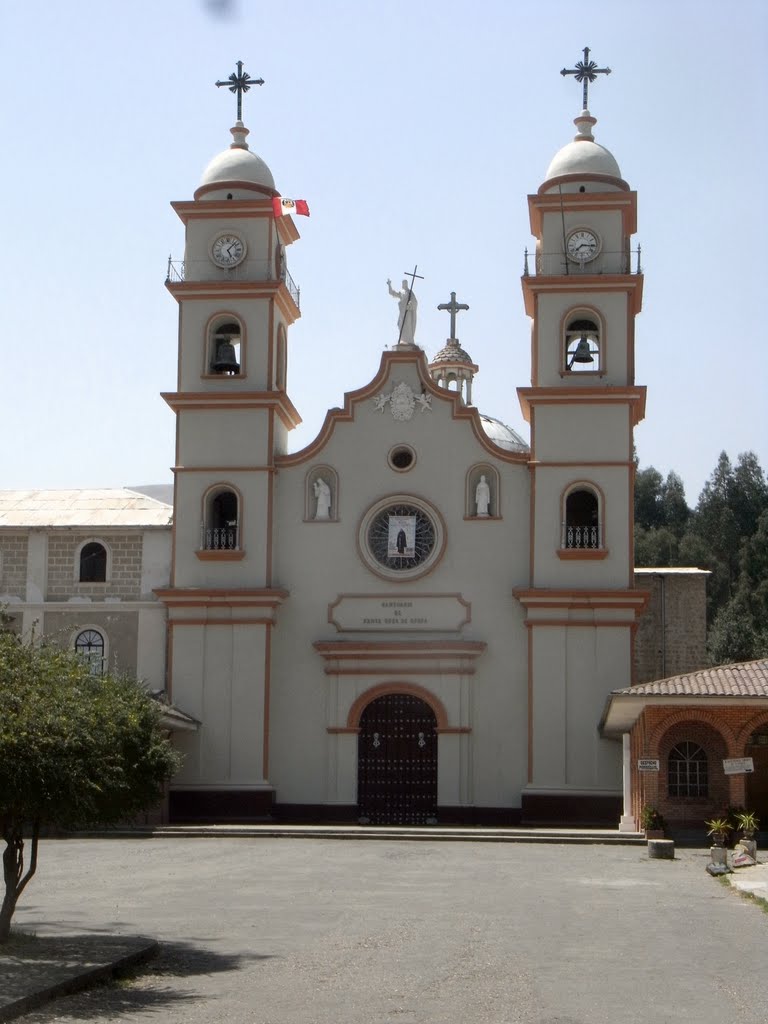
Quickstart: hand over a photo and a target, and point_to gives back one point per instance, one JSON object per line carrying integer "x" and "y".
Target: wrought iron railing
{"x": 556, "y": 264}
{"x": 179, "y": 271}
{"x": 219, "y": 538}
{"x": 581, "y": 537}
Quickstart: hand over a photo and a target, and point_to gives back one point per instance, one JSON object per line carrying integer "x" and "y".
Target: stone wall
{"x": 672, "y": 634}
{"x": 124, "y": 567}
{"x": 13, "y": 564}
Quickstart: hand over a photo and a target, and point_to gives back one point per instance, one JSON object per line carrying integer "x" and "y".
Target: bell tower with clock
{"x": 582, "y": 294}
{"x": 236, "y": 303}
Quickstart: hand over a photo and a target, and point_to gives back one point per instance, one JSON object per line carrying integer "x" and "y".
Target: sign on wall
{"x": 363, "y": 612}
{"x": 738, "y": 765}
{"x": 648, "y": 764}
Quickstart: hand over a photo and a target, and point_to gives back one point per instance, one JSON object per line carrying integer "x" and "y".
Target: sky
{"x": 415, "y": 130}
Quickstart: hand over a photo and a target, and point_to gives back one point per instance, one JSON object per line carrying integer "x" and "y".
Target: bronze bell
{"x": 226, "y": 358}
{"x": 582, "y": 353}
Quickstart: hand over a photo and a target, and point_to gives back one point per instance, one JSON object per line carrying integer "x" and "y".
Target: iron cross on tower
{"x": 453, "y": 308}
{"x": 240, "y": 82}
{"x": 586, "y": 71}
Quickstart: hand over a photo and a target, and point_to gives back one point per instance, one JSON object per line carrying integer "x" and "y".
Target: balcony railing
{"x": 581, "y": 537}
{"x": 219, "y": 538}
{"x": 179, "y": 271}
{"x": 555, "y": 264}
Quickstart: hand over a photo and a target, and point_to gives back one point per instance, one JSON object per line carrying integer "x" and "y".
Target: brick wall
{"x": 681, "y": 645}
{"x": 13, "y": 564}
{"x": 722, "y": 732}
{"x": 124, "y": 578}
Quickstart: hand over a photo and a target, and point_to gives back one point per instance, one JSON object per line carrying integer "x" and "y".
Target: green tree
{"x": 75, "y": 749}
{"x": 675, "y": 511}
{"x": 648, "y": 498}
{"x": 734, "y": 636}
{"x": 655, "y": 547}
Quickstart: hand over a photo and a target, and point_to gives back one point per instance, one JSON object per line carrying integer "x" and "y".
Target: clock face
{"x": 582, "y": 245}
{"x": 228, "y": 251}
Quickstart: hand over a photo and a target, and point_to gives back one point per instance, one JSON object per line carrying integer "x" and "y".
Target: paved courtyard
{"x": 284, "y": 931}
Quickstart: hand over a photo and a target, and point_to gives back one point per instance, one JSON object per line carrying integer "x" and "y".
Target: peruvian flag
{"x": 283, "y": 206}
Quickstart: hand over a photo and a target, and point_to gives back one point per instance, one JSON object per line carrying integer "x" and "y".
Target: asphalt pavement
{"x": 317, "y": 931}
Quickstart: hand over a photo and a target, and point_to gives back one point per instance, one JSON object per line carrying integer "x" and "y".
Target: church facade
{"x": 365, "y": 630}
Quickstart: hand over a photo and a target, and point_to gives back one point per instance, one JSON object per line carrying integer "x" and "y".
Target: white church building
{"x": 367, "y": 630}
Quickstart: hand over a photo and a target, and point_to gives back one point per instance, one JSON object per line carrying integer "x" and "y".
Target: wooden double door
{"x": 757, "y": 782}
{"x": 397, "y": 762}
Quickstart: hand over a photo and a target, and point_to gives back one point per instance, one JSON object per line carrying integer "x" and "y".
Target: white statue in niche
{"x": 483, "y": 496}
{"x": 323, "y": 496}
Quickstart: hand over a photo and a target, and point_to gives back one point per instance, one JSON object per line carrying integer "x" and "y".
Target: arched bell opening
{"x": 397, "y": 762}
{"x": 582, "y": 353}
{"x": 224, "y": 350}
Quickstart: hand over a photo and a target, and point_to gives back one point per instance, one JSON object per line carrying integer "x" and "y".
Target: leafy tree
{"x": 75, "y": 749}
{"x": 648, "y": 498}
{"x": 734, "y": 636}
{"x": 675, "y": 511}
{"x": 655, "y": 547}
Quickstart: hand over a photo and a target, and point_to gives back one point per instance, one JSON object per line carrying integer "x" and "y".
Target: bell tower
{"x": 582, "y": 291}
{"x": 236, "y": 303}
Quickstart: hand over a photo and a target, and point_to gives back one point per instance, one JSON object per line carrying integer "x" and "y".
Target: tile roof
{"x": 744, "y": 679}
{"x": 91, "y": 507}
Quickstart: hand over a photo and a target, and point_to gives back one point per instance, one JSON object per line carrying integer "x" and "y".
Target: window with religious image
{"x": 401, "y": 538}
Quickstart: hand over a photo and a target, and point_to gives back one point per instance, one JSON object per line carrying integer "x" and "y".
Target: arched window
{"x": 221, "y": 526}
{"x": 687, "y": 770}
{"x": 89, "y": 645}
{"x": 581, "y": 528}
{"x": 93, "y": 563}
{"x": 224, "y": 348}
{"x": 582, "y": 353}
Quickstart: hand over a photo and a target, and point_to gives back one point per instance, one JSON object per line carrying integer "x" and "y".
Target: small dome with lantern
{"x": 452, "y": 352}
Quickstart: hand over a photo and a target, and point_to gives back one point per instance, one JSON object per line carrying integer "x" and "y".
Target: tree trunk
{"x": 13, "y": 873}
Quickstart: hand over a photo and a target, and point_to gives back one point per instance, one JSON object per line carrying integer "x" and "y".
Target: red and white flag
{"x": 283, "y": 206}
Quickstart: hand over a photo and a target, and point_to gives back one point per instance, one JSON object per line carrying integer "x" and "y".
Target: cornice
{"x": 277, "y": 400}
{"x": 539, "y": 284}
{"x": 633, "y": 395}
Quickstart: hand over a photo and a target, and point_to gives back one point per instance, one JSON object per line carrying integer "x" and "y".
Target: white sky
{"x": 415, "y": 130}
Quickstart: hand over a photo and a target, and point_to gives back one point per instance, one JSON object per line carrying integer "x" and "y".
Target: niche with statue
{"x": 482, "y": 493}
{"x": 321, "y": 495}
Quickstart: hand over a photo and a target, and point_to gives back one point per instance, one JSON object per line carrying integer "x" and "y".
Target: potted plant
{"x": 652, "y": 822}
{"x": 719, "y": 829}
{"x": 748, "y": 823}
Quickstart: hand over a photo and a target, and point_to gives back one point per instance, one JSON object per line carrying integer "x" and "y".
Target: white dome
{"x": 238, "y": 165}
{"x": 583, "y": 157}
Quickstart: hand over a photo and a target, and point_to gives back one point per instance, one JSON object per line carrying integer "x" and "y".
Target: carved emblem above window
{"x": 403, "y": 401}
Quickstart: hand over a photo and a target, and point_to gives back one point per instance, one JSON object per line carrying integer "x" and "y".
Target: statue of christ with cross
{"x": 408, "y": 306}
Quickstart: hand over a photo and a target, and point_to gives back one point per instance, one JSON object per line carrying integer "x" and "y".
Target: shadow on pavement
{"x": 40, "y": 962}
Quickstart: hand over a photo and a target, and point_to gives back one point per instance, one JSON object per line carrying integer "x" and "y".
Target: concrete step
{"x": 430, "y": 833}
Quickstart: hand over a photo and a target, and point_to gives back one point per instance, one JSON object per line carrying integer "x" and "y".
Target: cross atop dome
{"x": 240, "y": 82}
{"x": 586, "y": 71}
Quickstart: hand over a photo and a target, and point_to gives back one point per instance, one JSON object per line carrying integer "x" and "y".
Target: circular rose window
{"x": 401, "y": 537}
